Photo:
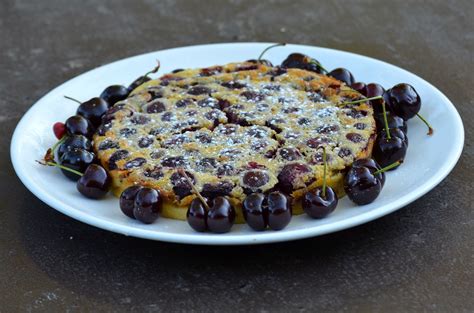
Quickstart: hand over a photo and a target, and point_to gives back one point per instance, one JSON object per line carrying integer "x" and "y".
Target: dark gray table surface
{"x": 419, "y": 258}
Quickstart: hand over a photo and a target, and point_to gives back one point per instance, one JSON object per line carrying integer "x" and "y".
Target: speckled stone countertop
{"x": 420, "y": 258}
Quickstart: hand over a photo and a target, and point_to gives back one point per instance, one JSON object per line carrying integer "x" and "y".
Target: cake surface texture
{"x": 234, "y": 129}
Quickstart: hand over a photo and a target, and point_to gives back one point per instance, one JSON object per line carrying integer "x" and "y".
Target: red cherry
{"x": 59, "y": 130}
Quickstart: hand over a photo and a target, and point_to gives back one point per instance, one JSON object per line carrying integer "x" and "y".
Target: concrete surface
{"x": 420, "y": 258}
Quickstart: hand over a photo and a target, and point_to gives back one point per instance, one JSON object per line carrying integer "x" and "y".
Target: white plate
{"x": 428, "y": 161}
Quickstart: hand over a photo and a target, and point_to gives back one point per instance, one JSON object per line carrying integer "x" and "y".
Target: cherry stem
{"x": 430, "y": 129}
{"x": 154, "y": 70}
{"x": 385, "y": 120}
{"x": 61, "y": 167}
{"x": 388, "y": 167}
{"x": 75, "y": 100}
{"x": 182, "y": 172}
{"x": 268, "y": 48}
{"x": 55, "y": 146}
{"x": 324, "y": 173}
{"x": 361, "y": 100}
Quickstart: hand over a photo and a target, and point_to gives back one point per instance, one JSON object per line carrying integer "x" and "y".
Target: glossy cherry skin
{"x": 197, "y": 215}
{"x": 393, "y": 120}
{"x": 360, "y": 87}
{"x": 298, "y": 60}
{"x": 262, "y": 61}
{"x": 95, "y": 183}
{"x": 254, "y": 213}
{"x": 93, "y": 110}
{"x": 404, "y": 100}
{"x": 127, "y": 200}
{"x": 137, "y": 82}
{"x": 221, "y": 216}
{"x": 387, "y": 151}
{"x": 279, "y": 210}
{"x": 361, "y": 185}
{"x": 147, "y": 205}
{"x": 342, "y": 74}
{"x": 372, "y": 165}
{"x": 114, "y": 94}
{"x": 289, "y": 174}
{"x": 78, "y": 125}
{"x": 317, "y": 206}
{"x": 76, "y": 159}
{"x": 74, "y": 142}
{"x": 374, "y": 90}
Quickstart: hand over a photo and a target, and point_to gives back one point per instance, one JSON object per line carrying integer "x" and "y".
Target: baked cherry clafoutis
{"x": 234, "y": 129}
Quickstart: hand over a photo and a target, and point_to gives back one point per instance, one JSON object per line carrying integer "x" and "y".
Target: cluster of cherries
{"x": 362, "y": 183}
{"x": 392, "y": 109}
{"x": 73, "y": 152}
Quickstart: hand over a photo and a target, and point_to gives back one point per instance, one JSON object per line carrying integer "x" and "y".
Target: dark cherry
{"x": 117, "y": 156}
{"x": 254, "y": 212}
{"x": 279, "y": 210}
{"x": 298, "y": 60}
{"x": 137, "y": 82}
{"x": 93, "y": 110}
{"x": 181, "y": 103}
{"x": 174, "y": 161}
{"x": 317, "y": 142}
{"x": 114, "y": 94}
{"x": 354, "y": 137}
{"x": 262, "y": 61}
{"x": 127, "y": 200}
{"x": 145, "y": 142}
{"x": 389, "y": 150}
{"x": 197, "y": 215}
{"x": 252, "y": 95}
{"x": 222, "y": 188}
{"x": 361, "y": 185}
{"x": 221, "y": 215}
{"x": 246, "y": 68}
{"x": 404, "y": 100}
{"x": 255, "y": 179}
{"x": 290, "y": 154}
{"x": 226, "y": 170}
{"x": 360, "y": 87}
{"x": 342, "y": 74}
{"x": 199, "y": 90}
{"x": 375, "y": 90}
{"x": 180, "y": 184}
{"x": 95, "y": 183}
{"x": 155, "y": 107}
{"x": 214, "y": 70}
{"x": 271, "y": 210}
{"x": 137, "y": 162}
{"x": 233, "y": 85}
{"x": 147, "y": 205}
{"x": 76, "y": 159}
{"x": 155, "y": 172}
{"x": 78, "y": 125}
{"x": 393, "y": 120}
{"x": 74, "y": 142}
{"x": 290, "y": 174}
{"x": 140, "y": 119}
{"x": 372, "y": 165}
{"x": 318, "y": 206}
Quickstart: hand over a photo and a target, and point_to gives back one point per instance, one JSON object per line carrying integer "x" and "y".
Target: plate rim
{"x": 232, "y": 238}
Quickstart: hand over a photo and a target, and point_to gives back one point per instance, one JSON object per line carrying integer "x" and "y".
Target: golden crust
{"x": 273, "y": 117}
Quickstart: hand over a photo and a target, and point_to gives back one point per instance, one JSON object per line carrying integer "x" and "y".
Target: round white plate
{"x": 428, "y": 161}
